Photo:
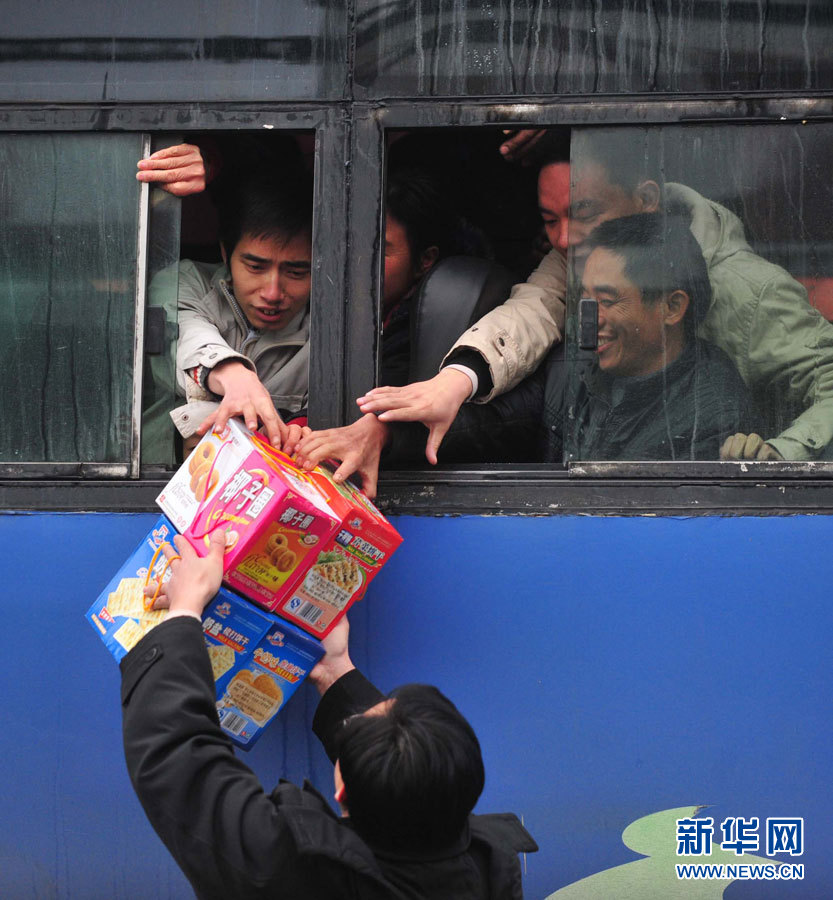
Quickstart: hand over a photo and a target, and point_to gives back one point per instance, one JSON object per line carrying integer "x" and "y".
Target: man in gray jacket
{"x": 243, "y": 345}
{"x": 760, "y": 316}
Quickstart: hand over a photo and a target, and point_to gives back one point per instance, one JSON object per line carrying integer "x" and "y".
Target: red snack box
{"x": 297, "y": 543}
{"x": 275, "y": 523}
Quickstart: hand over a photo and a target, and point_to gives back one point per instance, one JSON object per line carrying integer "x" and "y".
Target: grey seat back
{"x": 456, "y": 293}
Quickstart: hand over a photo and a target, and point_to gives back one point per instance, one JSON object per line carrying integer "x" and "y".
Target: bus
{"x": 641, "y": 646}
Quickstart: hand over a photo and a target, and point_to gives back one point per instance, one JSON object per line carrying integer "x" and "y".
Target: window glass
{"x": 68, "y": 238}
{"x": 696, "y": 247}
{"x": 466, "y": 47}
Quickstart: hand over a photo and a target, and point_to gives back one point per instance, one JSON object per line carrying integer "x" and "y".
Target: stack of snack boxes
{"x": 297, "y": 543}
{"x": 258, "y": 659}
{"x": 301, "y": 546}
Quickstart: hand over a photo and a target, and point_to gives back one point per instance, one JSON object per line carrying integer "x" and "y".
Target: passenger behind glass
{"x": 653, "y": 391}
{"x": 759, "y": 314}
{"x": 418, "y": 232}
{"x": 243, "y": 346}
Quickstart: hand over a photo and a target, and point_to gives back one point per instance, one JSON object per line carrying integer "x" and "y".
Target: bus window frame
{"x": 327, "y": 284}
{"x": 345, "y": 335}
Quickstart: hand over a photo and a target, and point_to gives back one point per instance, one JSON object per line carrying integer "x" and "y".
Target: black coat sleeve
{"x": 351, "y": 695}
{"x": 227, "y": 835}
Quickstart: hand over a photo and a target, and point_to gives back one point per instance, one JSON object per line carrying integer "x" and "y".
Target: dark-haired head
{"x": 628, "y": 157}
{"x": 412, "y": 773}
{"x": 266, "y": 204}
{"x": 660, "y": 256}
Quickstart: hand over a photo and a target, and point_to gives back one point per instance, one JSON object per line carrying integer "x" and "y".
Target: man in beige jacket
{"x": 243, "y": 346}
{"x": 760, "y": 315}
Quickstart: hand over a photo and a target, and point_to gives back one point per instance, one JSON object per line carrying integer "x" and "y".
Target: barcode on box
{"x": 234, "y": 723}
{"x": 309, "y": 612}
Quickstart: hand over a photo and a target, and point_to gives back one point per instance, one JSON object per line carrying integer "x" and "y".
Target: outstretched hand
{"x": 243, "y": 395}
{"x": 357, "y": 448}
{"x": 435, "y": 403}
{"x": 194, "y": 580}
{"x": 179, "y": 170}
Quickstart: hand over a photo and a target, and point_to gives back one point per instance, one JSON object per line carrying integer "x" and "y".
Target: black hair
{"x": 412, "y": 774}
{"x": 661, "y": 255}
{"x": 627, "y": 156}
{"x": 553, "y": 147}
{"x": 265, "y": 204}
{"x": 416, "y": 200}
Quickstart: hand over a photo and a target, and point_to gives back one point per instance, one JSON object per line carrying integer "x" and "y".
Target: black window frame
{"x": 347, "y": 276}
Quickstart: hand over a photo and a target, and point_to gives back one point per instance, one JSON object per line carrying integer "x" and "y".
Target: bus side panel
{"x": 613, "y": 668}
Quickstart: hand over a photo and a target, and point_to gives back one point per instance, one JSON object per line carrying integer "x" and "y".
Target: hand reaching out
{"x": 243, "y": 395}
{"x": 194, "y": 580}
{"x": 357, "y": 447}
{"x": 435, "y": 403}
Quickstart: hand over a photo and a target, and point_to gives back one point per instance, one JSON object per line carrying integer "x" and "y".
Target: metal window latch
{"x": 588, "y": 324}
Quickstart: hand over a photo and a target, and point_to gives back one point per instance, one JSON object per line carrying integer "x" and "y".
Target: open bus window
{"x": 696, "y": 245}
{"x": 246, "y": 309}
{"x": 68, "y": 239}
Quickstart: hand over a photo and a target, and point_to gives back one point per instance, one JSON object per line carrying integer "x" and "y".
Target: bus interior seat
{"x": 457, "y": 292}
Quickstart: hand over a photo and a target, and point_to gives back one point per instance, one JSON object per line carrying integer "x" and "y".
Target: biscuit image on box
{"x": 339, "y": 570}
{"x": 259, "y": 700}
{"x": 222, "y": 659}
{"x": 129, "y": 634}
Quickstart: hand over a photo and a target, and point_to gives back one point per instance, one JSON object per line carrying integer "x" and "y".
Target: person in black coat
{"x": 408, "y": 771}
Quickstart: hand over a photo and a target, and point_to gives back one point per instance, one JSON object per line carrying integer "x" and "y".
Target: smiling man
{"x": 244, "y": 325}
{"x": 652, "y": 391}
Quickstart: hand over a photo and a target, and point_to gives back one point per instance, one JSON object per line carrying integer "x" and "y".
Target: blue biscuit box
{"x": 118, "y": 614}
{"x": 258, "y": 659}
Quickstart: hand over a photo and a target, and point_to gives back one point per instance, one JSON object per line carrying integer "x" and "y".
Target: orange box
{"x": 346, "y": 564}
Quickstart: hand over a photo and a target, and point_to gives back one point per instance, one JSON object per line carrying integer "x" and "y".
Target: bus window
{"x": 247, "y": 308}
{"x": 681, "y": 305}
{"x": 68, "y": 256}
{"x": 740, "y": 218}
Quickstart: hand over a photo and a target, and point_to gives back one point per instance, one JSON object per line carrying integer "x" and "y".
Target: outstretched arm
{"x": 435, "y": 403}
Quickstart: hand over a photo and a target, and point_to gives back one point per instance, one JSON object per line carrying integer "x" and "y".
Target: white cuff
{"x": 466, "y": 371}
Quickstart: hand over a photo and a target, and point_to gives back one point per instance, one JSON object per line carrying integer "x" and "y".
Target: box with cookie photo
{"x": 119, "y": 613}
{"x": 296, "y": 543}
{"x": 347, "y": 563}
{"x": 258, "y": 660}
{"x": 274, "y": 517}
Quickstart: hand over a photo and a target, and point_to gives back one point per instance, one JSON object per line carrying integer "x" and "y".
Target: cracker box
{"x": 119, "y": 613}
{"x": 297, "y": 543}
{"x": 347, "y": 563}
{"x": 258, "y": 661}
